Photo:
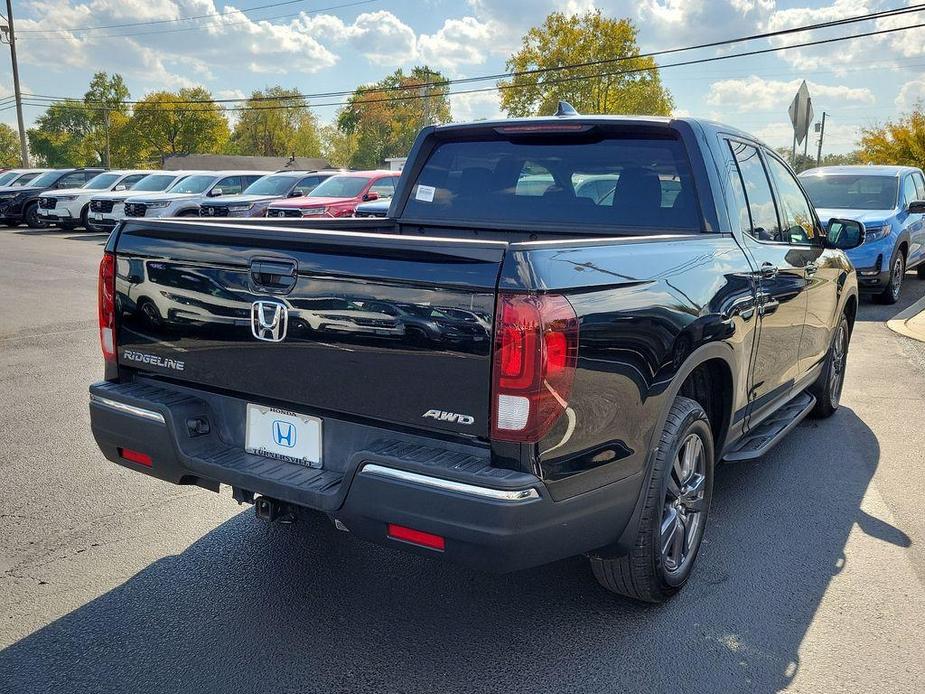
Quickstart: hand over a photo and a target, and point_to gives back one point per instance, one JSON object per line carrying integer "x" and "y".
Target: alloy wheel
{"x": 837, "y": 370}
{"x": 682, "y": 516}
{"x": 896, "y": 280}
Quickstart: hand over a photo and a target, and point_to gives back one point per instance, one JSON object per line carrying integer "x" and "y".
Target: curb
{"x": 910, "y": 322}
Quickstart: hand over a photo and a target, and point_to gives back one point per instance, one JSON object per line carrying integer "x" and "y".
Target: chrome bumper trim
{"x": 450, "y": 485}
{"x": 128, "y": 409}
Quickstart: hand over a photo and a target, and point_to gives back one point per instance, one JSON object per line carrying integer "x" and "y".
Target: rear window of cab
{"x": 639, "y": 185}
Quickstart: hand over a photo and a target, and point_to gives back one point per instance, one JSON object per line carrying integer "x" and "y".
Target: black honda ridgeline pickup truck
{"x": 560, "y": 330}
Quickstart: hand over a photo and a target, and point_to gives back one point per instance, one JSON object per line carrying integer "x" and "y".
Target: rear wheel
{"x": 677, "y": 502}
{"x": 890, "y": 294}
{"x": 827, "y": 388}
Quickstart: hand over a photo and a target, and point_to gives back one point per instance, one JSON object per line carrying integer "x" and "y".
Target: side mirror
{"x": 296, "y": 194}
{"x": 215, "y": 192}
{"x": 371, "y": 196}
{"x": 844, "y": 234}
{"x": 917, "y": 207}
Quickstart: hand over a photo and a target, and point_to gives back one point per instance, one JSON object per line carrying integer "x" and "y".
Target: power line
{"x": 559, "y": 68}
{"x": 416, "y": 93}
{"x": 175, "y": 20}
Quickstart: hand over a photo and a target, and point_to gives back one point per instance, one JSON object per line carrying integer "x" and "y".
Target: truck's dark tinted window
{"x": 764, "y": 224}
{"x": 635, "y": 185}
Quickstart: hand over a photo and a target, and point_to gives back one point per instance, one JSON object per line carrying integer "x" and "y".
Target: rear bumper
{"x": 490, "y": 518}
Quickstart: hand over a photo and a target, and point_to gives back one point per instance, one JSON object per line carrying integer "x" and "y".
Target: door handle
{"x": 768, "y": 271}
{"x": 810, "y": 269}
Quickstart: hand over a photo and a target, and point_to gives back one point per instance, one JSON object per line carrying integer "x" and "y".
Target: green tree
{"x": 105, "y": 100}
{"x": 899, "y": 142}
{"x": 277, "y": 122}
{"x": 163, "y": 126}
{"x": 629, "y": 85}
{"x": 337, "y": 147}
{"x": 808, "y": 161}
{"x": 385, "y": 117}
{"x": 59, "y": 135}
{"x": 9, "y": 147}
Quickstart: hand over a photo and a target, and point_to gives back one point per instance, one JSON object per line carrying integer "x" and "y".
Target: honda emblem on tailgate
{"x": 269, "y": 320}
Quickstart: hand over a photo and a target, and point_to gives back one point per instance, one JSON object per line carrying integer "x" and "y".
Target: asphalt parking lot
{"x": 811, "y": 576}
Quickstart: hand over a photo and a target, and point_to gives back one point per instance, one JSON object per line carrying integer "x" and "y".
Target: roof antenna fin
{"x": 566, "y": 109}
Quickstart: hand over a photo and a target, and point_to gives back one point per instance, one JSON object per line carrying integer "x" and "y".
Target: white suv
{"x": 68, "y": 207}
{"x": 107, "y": 209}
{"x": 183, "y": 199}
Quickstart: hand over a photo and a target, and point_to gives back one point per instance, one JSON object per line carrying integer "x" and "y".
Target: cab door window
{"x": 761, "y": 221}
{"x": 796, "y": 212}
{"x": 919, "y": 185}
{"x": 230, "y": 185}
{"x": 910, "y": 194}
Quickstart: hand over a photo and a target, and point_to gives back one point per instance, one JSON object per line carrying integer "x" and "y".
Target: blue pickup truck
{"x": 589, "y": 359}
{"x": 890, "y": 201}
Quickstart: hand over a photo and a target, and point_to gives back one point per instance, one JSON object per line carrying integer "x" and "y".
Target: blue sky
{"x": 328, "y": 45}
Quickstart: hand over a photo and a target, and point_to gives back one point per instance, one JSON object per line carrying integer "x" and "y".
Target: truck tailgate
{"x": 386, "y": 327}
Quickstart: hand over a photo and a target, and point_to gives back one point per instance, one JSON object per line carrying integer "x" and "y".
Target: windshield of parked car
{"x": 5, "y": 178}
{"x": 49, "y": 178}
{"x": 104, "y": 180}
{"x": 193, "y": 184}
{"x": 638, "y": 184}
{"x": 272, "y": 185}
{"x": 154, "y": 182}
{"x": 340, "y": 187}
{"x": 852, "y": 192}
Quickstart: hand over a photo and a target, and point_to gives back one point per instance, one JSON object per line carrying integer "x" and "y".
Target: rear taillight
{"x": 107, "y": 306}
{"x": 536, "y": 350}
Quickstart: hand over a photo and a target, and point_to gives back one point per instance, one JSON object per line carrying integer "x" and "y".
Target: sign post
{"x": 801, "y": 116}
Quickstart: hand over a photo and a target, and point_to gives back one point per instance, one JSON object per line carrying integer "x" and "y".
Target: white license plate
{"x": 98, "y": 216}
{"x": 283, "y": 435}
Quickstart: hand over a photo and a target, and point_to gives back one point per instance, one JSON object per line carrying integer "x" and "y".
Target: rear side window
{"x": 632, "y": 184}
{"x": 760, "y": 200}
{"x": 230, "y": 185}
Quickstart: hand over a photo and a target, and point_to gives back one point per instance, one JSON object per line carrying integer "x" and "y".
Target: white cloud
{"x": 838, "y": 137}
{"x": 670, "y": 11}
{"x": 458, "y": 41}
{"x": 910, "y": 94}
{"x": 476, "y": 106}
{"x": 757, "y": 94}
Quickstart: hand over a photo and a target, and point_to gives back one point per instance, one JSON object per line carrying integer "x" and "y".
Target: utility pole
{"x": 821, "y": 135}
{"x": 11, "y": 39}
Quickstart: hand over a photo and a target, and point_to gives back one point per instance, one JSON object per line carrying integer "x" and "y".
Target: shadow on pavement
{"x": 913, "y": 289}
{"x": 251, "y": 607}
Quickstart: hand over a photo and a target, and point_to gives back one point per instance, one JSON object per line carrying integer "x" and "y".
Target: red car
{"x": 339, "y": 195}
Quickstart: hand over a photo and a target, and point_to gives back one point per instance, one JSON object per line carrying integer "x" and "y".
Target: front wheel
{"x": 890, "y": 295}
{"x": 920, "y": 271}
{"x": 677, "y": 502}
{"x": 31, "y": 217}
{"x": 827, "y": 388}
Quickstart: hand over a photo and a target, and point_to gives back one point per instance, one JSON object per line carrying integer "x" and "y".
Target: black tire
{"x": 828, "y": 387}
{"x": 189, "y": 213}
{"x": 83, "y": 217}
{"x": 31, "y": 217}
{"x": 67, "y": 226}
{"x": 893, "y": 289}
{"x": 920, "y": 271}
{"x": 654, "y": 571}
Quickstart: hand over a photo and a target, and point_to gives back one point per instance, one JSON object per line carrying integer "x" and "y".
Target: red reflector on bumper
{"x": 416, "y": 537}
{"x": 135, "y": 456}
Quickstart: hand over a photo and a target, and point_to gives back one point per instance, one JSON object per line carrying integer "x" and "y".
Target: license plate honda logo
{"x": 269, "y": 320}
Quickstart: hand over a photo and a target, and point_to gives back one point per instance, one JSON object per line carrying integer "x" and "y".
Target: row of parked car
{"x": 97, "y": 199}
{"x": 889, "y": 200}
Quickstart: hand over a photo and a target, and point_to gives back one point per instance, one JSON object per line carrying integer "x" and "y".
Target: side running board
{"x": 764, "y": 437}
